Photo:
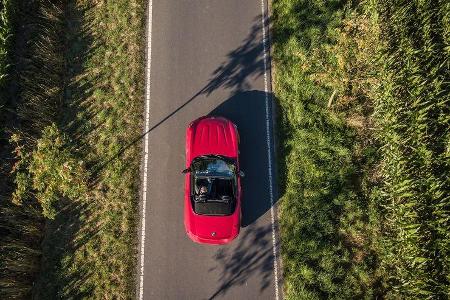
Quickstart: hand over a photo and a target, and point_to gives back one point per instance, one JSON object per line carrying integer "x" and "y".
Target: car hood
{"x": 213, "y": 136}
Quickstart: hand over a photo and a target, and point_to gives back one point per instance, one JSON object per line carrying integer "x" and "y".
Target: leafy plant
{"x": 413, "y": 120}
{"x": 49, "y": 172}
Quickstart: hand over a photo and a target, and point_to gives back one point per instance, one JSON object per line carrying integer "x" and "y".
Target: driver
{"x": 203, "y": 190}
{"x": 202, "y": 194}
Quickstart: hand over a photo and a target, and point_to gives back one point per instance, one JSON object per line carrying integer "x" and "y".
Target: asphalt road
{"x": 207, "y": 57}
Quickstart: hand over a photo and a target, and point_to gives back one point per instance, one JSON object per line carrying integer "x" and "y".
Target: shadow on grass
{"x": 69, "y": 230}
{"x": 305, "y": 20}
{"x": 21, "y": 226}
{"x": 59, "y": 246}
{"x": 78, "y": 106}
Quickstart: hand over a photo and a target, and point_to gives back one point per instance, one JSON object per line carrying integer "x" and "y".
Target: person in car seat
{"x": 203, "y": 190}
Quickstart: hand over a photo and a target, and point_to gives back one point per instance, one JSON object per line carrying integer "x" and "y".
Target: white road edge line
{"x": 147, "y": 127}
{"x": 269, "y": 151}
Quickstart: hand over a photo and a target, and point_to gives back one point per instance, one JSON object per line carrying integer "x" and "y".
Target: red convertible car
{"x": 212, "y": 208}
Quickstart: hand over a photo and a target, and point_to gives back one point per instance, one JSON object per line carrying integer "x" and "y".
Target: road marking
{"x": 146, "y": 152}
{"x": 269, "y": 150}
{"x": 146, "y": 129}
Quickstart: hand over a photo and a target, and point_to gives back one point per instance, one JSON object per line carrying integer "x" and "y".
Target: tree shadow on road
{"x": 243, "y": 64}
{"x": 252, "y": 257}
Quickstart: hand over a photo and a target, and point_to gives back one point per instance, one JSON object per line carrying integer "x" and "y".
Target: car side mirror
{"x": 188, "y": 170}
{"x": 241, "y": 174}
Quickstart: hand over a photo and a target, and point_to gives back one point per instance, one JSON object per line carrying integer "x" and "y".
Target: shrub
{"x": 51, "y": 171}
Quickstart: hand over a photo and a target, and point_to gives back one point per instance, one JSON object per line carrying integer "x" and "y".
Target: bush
{"x": 49, "y": 172}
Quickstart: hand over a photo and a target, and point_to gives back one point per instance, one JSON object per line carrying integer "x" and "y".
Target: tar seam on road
{"x": 146, "y": 150}
{"x": 269, "y": 150}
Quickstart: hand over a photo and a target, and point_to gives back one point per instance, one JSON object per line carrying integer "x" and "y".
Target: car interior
{"x": 218, "y": 198}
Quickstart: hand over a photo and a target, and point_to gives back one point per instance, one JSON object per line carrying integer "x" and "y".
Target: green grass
{"x": 77, "y": 90}
{"x": 90, "y": 248}
{"x": 413, "y": 121}
{"x": 327, "y": 151}
{"x": 363, "y": 90}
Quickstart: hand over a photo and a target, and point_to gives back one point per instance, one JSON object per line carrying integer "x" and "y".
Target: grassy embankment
{"x": 79, "y": 102}
{"x": 327, "y": 149}
{"x": 363, "y": 94}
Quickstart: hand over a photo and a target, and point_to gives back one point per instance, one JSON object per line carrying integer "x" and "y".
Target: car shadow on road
{"x": 248, "y": 111}
{"x": 251, "y": 257}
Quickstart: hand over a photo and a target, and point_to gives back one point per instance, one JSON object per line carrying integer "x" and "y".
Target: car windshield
{"x": 213, "y": 186}
{"x": 213, "y": 165}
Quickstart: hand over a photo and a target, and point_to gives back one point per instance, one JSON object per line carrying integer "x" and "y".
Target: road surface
{"x": 207, "y": 57}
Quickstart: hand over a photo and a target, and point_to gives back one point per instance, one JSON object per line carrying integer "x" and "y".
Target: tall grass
{"x": 77, "y": 94}
{"x": 363, "y": 88}
{"x": 89, "y": 248}
{"x": 20, "y": 236}
{"x": 41, "y": 79}
{"x": 5, "y": 36}
{"x": 20, "y": 227}
{"x": 413, "y": 117}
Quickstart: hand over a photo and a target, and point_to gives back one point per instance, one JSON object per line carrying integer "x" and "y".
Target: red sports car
{"x": 212, "y": 208}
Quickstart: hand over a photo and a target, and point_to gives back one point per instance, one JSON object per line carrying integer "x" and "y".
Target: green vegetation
{"x": 75, "y": 102}
{"x": 325, "y": 213}
{"x": 363, "y": 94}
{"x": 89, "y": 249}
{"x": 364, "y": 124}
{"x": 20, "y": 227}
{"x": 5, "y": 36}
{"x": 413, "y": 117}
{"x": 52, "y": 172}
